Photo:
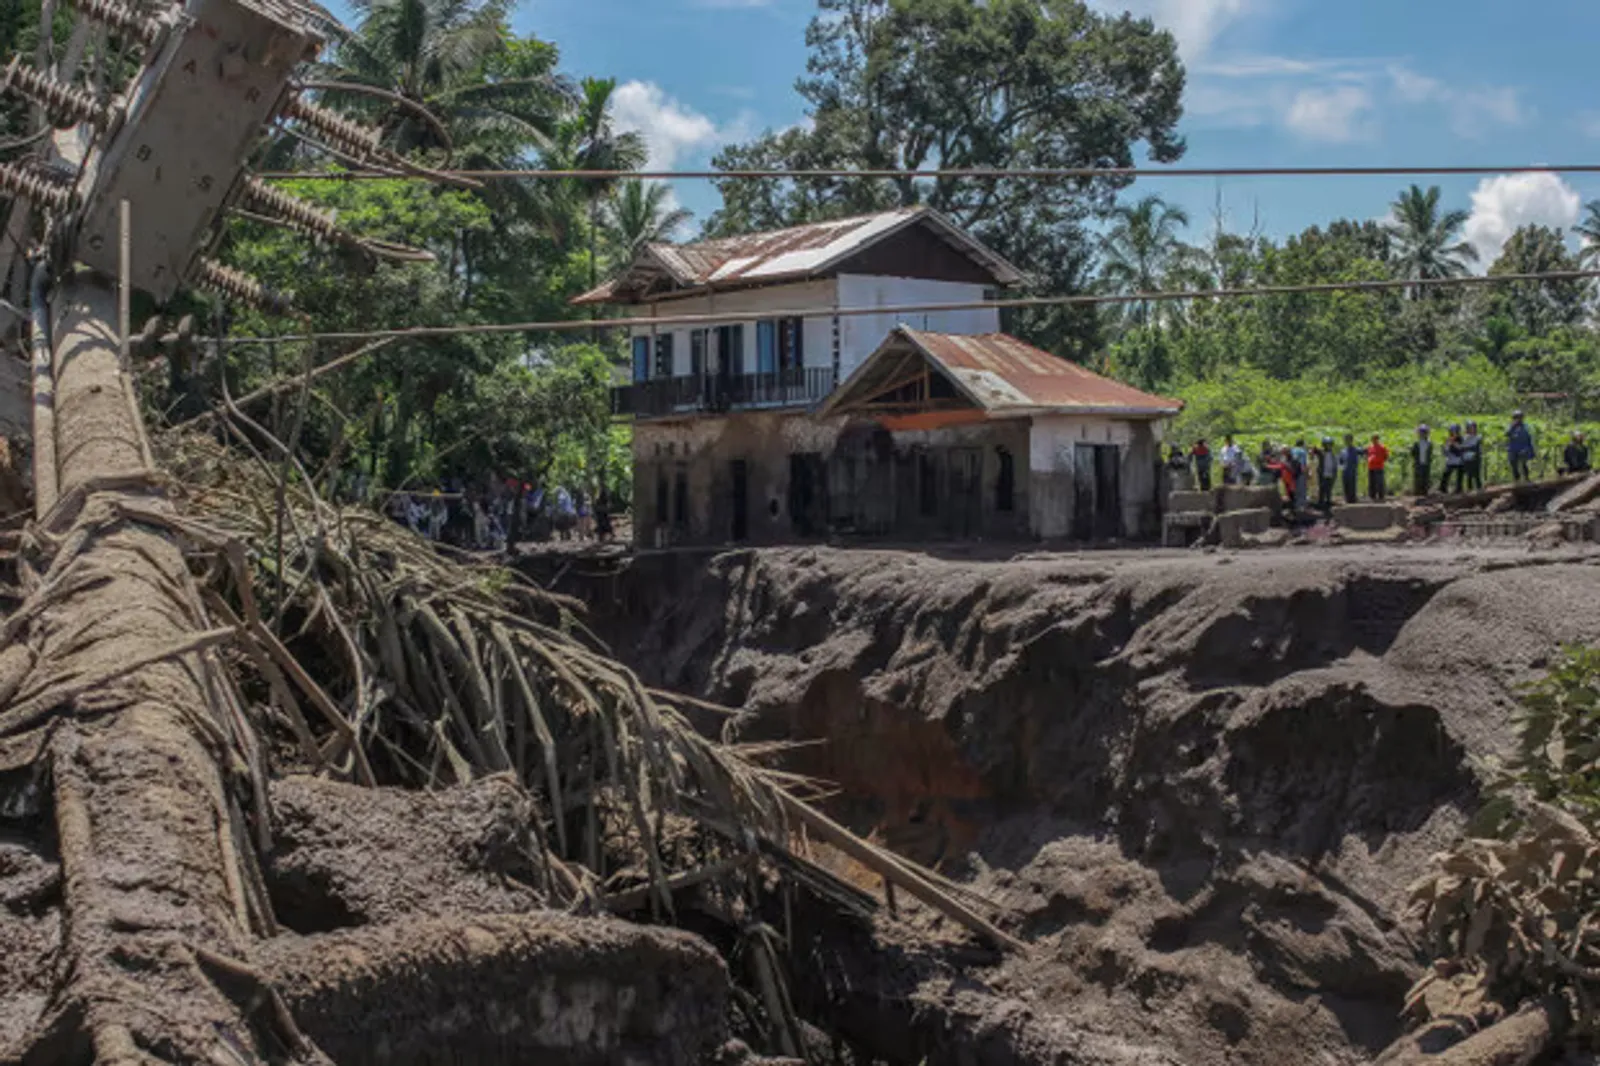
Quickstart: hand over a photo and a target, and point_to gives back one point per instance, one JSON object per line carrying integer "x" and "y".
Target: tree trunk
{"x": 158, "y": 917}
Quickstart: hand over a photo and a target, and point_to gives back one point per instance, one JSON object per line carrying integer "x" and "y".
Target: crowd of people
{"x": 1459, "y": 460}
{"x": 489, "y": 521}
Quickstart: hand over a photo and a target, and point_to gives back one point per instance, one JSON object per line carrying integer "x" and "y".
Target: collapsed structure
{"x": 803, "y": 402}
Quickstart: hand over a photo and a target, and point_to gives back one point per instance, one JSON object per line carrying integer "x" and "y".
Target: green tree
{"x": 495, "y": 95}
{"x": 1141, "y": 250}
{"x": 1537, "y": 308}
{"x": 1426, "y": 240}
{"x": 1588, "y": 228}
{"x": 639, "y": 213}
{"x": 910, "y": 84}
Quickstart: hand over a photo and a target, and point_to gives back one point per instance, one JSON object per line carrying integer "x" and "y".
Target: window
{"x": 791, "y": 346}
{"x": 664, "y": 355}
{"x": 1005, "y": 484}
{"x": 730, "y": 349}
{"x": 697, "y": 353}
{"x": 641, "y": 358}
{"x": 680, "y": 499}
{"x": 662, "y": 515}
{"x": 766, "y": 347}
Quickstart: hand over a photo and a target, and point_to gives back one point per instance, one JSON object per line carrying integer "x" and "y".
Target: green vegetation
{"x": 1512, "y": 908}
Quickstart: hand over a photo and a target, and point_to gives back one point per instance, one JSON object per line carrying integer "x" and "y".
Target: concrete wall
{"x": 858, "y": 335}
{"x": 874, "y": 479}
{"x": 1052, "y": 445}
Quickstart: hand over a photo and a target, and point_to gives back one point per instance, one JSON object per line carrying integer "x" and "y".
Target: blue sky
{"x": 1290, "y": 82}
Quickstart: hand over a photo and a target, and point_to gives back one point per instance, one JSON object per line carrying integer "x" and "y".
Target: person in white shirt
{"x": 1233, "y": 461}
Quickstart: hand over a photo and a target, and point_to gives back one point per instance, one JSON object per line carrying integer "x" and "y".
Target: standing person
{"x": 1202, "y": 464}
{"x": 1232, "y": 461}
{"x": 1327, "y": 473}
{"x": 1422, "y": 462}
{"x": 1453, "y": 459}
{"x": 1177, "y": 469}
{"x": 1301, "y": 459}
{"x": 1575, "y": 460}
{"x": 1377, "y": 463}
{"x": 1472, "y": 457}
{"x": 1519, "y": 446}
{"x": 1349, "y": 465}
{"x": 1266, "y": 472}
{"x": 1247, "y": 472}
{"x": 602, "y": 514}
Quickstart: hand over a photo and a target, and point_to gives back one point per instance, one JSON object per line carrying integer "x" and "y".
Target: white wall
{"x": 860, "y": 335}
{"x": 1052, "y": 444}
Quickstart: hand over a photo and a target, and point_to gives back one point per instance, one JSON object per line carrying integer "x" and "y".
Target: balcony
{"x": 797, "y": 387}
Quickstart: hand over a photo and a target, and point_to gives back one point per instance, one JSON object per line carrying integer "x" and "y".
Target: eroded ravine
{"x": 1199, "y": 783}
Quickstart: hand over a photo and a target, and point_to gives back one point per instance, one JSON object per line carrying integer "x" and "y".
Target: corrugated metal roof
{"x": 785, "y": 254}
{"x": 1002, "y": 374}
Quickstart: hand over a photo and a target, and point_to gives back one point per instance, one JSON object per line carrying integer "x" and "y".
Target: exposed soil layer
{"x": 1200, "y": 782}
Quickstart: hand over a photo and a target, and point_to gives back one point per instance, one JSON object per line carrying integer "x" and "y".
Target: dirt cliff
{"x": 1200, "y": 783}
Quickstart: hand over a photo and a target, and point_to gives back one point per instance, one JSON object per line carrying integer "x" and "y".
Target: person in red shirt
{"x": 1377, "y": 460}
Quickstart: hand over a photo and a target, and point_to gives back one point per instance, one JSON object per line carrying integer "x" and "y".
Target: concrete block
{"x": 1250, "y": 497}
{"x": 1368, "y": 517}
{"x": 1235, "y": 524}
{"x": 1187, "y": 501}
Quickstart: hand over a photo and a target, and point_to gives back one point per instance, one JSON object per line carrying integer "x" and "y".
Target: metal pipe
{"x": 46, "y": 479}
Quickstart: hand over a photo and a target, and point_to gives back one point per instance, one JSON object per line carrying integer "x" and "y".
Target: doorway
{"x": 808, "y": 494}
{"x": 965, "y": 518}
{"x": 1096, "y": 492}
{"x": 739, "y": 479}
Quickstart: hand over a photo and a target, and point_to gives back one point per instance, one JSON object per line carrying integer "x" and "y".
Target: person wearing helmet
{"x": 1453, "y": 452}
{"x": 1519, "y": 447}
{"x": 1575, "y": 460}
{"x": 1472, "y": 457}
{"x": 1422, "y": 462}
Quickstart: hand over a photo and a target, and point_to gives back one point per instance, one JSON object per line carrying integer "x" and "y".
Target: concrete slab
{"x": 1233, "y": 525}
{"x": 1368, "y": 517}
{"x": 1189, "y": 501}
{"x": 1250, "y": 497}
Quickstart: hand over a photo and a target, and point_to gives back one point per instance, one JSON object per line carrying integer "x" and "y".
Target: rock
{"x": 1368, "y": 517}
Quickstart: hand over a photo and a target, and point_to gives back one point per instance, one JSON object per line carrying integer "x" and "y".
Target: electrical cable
{"x": 1072, "y": 300}
{"x": 977, "y": 173}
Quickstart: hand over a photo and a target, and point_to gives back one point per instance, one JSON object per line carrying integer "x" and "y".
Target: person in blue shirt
{"x": 1350, "y": 463}
{"x": 1472, "y": 457}
{"x": 1519, "y": 446}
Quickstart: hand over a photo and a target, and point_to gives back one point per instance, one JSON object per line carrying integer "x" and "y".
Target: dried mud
{"x": 1199, "y": 783}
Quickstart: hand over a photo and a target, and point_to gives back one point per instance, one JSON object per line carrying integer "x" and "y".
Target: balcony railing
{"x": 796, "y": 387}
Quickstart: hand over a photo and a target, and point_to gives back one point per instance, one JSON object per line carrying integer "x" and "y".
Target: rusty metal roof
{"x": 781, "y": 255}
{"x": 1003, "y": 375}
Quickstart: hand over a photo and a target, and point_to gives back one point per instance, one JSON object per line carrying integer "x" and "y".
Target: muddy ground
{"x": 1199, "y": 783}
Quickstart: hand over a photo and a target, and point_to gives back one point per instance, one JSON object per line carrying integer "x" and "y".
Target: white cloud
{"x": 1337, "y": 115}
{"x": 1469, "y": 110}
{"x": 1195, "y": 23}
{"x": 1503, "y": 204}
{"x": 670, "y": 129}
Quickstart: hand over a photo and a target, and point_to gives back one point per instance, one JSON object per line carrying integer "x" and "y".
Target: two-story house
{"x": 943, "y": 427}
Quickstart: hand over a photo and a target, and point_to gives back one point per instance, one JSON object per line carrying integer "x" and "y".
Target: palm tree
{"x": 1426, "y": 244}
{"x": 1141, "y": 250}
{"x": 495, "y": 96}
{"x": 640, "y": 213}
{"x": 587, "y": 139}
{"x": 1589, "y": 229}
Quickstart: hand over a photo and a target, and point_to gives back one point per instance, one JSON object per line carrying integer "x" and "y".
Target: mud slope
{"x": 1201, "y": 781}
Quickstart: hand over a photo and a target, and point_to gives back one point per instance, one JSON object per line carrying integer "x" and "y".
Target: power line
{"x": 975, "y": 173}
{"x": 1073, "y": 300}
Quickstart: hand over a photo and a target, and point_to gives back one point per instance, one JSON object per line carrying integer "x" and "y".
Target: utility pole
{"x": 155, "y": 778}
